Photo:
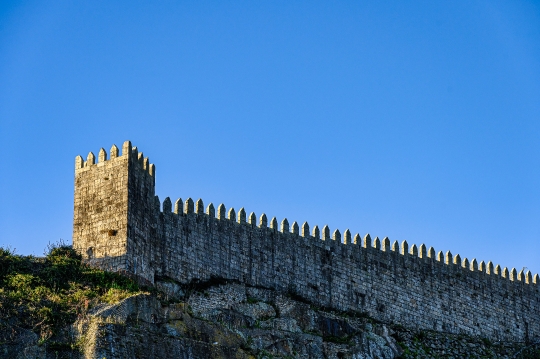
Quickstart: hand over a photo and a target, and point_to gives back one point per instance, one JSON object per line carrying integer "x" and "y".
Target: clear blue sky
{"x": 412, "y": 120}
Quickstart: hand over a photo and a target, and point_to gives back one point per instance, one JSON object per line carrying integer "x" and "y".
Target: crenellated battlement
{"x": 120, "y": 224}
{"x": 128, "y": 151}
{"x": 447, "y": 259}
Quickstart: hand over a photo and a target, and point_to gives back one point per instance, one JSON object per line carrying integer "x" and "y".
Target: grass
{"x": 46, "y": 295}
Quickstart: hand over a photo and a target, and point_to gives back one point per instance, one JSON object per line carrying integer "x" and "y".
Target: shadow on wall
{"x": 115, "y": 264}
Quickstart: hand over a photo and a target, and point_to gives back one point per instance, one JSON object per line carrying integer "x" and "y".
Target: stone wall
{"x": 412, "y": 286}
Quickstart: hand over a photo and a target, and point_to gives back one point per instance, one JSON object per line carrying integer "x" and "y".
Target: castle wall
{"x": 394, "y": 286}
{"x": 411, "y": 286}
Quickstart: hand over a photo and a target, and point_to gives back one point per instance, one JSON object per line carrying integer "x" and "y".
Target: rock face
{"x": 235, "y": 321}
{"x": 228, "y": 321}
{"x": 19, "y": 343}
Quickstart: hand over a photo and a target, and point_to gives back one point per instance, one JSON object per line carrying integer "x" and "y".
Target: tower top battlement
{"x": 127, "y": 151}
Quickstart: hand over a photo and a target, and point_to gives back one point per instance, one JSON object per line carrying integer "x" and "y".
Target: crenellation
{"x": 295, "y": 228}
{"x": 189, "y": 207}
{"x": 473, "y": 267}
{"x": 377, "y": 243}
{"x": 497, "y": 271}
{"x": 119, "y": 224}
{"x": 386, "y": 244}
{"x": 79, "y": 162}
{"x": 520, "y": 277}
{"x": 231, "y": 215}
{"x": 366, "y": 242}
{"x": 431, "y": 253}
{"x": 114, "y": 152}
{"x": 305, "y": 230}
{"x": 457, "y": 260}
{"x": 404, "y": 248}
{"x": 285, "y": 226}
{"x": 263, "y": 221}
{"x": 347, "y": 237}
{"x": 273, "y": 224}
{"x": 146, "y": 164}
{"x": 326, "y": 233}
{"x": 413, "y": 251}
{"x": 178, "y": 206}
{"x": 448, "y": 258}
{"x": 422, "y": 251}
{"x": 252, "y": 219}
{"x": 167, "y": 205}
{"x": 102, "y": 155}
{"x": 242, "y": 216}
{"x": 505, "y": 273}
{"x": 482, "y": 267}
{"x": 210, "y": 211}
{"x": 90, "y": 159}
{"x": 221, "y": 212}
{"x": 126, "y": 148}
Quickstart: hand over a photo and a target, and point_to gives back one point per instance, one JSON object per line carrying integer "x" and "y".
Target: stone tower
{"x": 114, "y": 199}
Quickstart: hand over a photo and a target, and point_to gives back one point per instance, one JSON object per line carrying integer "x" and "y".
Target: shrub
{"x": 47, "y": 294}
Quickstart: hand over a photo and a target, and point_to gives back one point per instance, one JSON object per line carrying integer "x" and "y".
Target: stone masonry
{"x": 119, "y": 224}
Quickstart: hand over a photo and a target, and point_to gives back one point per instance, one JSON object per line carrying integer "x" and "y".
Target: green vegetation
{"x": 46, "y": 295}
{"x": 432, "y": 344}
{"x": 251, "y": 300}
{"x": 337, "y": 340}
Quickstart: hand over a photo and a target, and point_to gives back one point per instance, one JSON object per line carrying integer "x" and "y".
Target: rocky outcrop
{"x": 19, "y": 343}
{"x": 58, "y": 308}
{"x": 235, "y": 321}
{"x": 228, "y": 321}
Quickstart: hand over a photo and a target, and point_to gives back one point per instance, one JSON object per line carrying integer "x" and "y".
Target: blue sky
{"x": 412, "y": 120}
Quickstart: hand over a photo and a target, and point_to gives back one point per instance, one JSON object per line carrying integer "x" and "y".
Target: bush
{"x": 47, "y": 294}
